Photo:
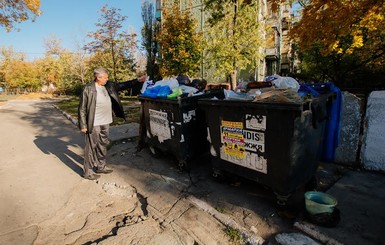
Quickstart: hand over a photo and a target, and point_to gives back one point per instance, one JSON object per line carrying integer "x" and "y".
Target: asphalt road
{"x": 44, "y": 199}
{"x": 40, "y": 176}
{"x": 40, "y": 163}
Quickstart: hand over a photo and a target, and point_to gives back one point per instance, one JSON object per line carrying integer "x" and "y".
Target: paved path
{"x": 40, "y": 163}
{"x": 44, "y": 199}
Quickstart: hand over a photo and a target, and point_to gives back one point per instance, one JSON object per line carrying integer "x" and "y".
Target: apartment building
{"x": 278, "y": 57}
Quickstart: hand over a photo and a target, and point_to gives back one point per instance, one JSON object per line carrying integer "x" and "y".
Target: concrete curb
{"x": 68, "y": 116}
{"x": 312, "y": 231}
{"x": 227, "y": 221}
{"x": 117, "y": 133}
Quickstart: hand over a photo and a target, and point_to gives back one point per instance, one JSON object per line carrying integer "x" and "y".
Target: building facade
{"x": 278, "y": 57}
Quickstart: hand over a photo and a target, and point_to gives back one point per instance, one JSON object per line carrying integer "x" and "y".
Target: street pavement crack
{"x": 180, "y": 215}
{"x": 245, "y": 215}
{"x": 175, "y": 203}
{"x": 143, "y": 203}
{"x": 123, "y": 220}
{"x": 84, "y": 225}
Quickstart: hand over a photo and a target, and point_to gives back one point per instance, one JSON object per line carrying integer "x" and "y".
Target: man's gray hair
{"x": 99, "y": 71}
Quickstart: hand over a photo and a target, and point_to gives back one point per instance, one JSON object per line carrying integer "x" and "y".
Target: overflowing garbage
{"x": 275, "y": 88}
{"x": 172, "y": 88}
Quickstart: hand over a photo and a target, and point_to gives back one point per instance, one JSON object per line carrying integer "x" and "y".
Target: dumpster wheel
{"x": 218, "y": 175}
{"x": 282, "y": 200}
{"x": 155, "y": 152}
{"x": 184, "y": 165}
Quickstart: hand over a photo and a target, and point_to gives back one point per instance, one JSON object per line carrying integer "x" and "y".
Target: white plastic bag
{"x": 172, "y": 83}
{"x": 146, "y": 84}
{"x": 283, "y": 82}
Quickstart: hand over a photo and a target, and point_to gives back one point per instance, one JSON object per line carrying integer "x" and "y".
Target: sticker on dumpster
{"x": 232, "y": 124}
{"x": 232, "y": 139}
{"x": 256, "y": 162}
{"x": 256, "y": 122}
{"x": 243, "y": 147}
{"x": 254, "y": 141}
{"x": 159, "y": 125}
{"x": 187, "y": 117}
{"x": 234, "y": 149}
{"x": 231, "y": 135}
{"x": 250, "y": 160}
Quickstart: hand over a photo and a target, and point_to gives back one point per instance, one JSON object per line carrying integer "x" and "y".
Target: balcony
{"x": 285, "y": 60}
{"x": 271, "y": 53}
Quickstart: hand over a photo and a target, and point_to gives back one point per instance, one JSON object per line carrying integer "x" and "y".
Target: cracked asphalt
{"x": 146, "y": 200}
{"x": 46, "y": 201}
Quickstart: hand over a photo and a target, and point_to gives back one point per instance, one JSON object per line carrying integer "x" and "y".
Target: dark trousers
{"x": 95, "y": 150}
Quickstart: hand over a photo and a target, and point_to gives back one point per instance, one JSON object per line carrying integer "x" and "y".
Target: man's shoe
{"x": 92, "y": 177}
{"x": 104, "y": 171}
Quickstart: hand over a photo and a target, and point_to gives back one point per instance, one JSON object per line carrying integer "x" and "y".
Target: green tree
{"x": 180, "y": 44}
{"x": 234, "y": 36}
{"x": 108, "y": 39}
{"x": 149, "y": 29}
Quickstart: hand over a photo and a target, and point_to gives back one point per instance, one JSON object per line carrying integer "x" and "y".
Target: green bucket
{"x": 319, "y": 202}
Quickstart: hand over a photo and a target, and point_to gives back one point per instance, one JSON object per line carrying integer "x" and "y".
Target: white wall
{"x": 373, "y": 148}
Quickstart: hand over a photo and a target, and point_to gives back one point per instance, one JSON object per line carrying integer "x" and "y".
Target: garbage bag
{"x": 175, "y": 93}
{"x": 147, "y": 85}
{"x": 172, "y": 83}
{"x": 283, "y": 82}
{"x": 188, "y": 90}
{"x": 164, "y": 91}
{"x": 152, "y": 92}
{"x": 231, "y": 95}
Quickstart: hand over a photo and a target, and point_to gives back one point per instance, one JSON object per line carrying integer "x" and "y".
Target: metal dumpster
{"x": 176, "y": 126}
{"x": 274, "y": 144}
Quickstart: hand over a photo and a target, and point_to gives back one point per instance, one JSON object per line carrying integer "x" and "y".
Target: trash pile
{"x": 272, "y": 89}
{"x": 181, "y": 86}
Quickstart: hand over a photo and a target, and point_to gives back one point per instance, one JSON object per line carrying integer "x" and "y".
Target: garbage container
{"x": 176, "y": 126}
{"x": 332, "y": 126}
{"x": 275, "y": 144}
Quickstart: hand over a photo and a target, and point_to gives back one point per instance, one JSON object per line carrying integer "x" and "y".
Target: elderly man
{"x": 98, "y": 101}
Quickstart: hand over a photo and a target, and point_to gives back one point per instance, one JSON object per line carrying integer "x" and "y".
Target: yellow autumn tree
{"x": 17, "y": 11}
{"x": 180, "y": 44}
{"x": 234, "y": 37}
{"x": 340, "y": 37}
{"x": 341, "y": 26}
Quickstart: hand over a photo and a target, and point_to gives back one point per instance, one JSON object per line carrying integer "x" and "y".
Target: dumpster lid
{"x": 296, "y": 106}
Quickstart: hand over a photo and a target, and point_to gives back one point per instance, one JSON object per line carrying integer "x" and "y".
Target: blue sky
{"x": 69, "y": 20}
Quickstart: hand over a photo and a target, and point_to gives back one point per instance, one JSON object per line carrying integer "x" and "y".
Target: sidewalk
{"x": 361, "y": 199}
{"x": 360, "y": 195}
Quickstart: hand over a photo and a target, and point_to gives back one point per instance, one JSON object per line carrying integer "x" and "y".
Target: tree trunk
{"x": 233, "y": 79}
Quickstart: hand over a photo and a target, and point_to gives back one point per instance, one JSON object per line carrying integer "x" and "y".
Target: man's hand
{"x": 83, "y": 130}
{"x": 142, "y": 79}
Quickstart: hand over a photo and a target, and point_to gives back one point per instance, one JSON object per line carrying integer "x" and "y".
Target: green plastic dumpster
{"x": 176, "y": 126}
{"x": 274, "y": 144}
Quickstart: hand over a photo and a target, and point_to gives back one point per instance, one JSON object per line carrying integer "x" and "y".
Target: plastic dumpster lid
{"x": 259, "y": 105}
{"x": 305, "y": 105}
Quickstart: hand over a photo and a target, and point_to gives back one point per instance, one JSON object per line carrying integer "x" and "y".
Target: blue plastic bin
{"x": 332, "y": 126}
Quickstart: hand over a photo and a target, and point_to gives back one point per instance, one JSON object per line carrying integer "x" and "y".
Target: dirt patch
{"x": 34, "y": 96}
